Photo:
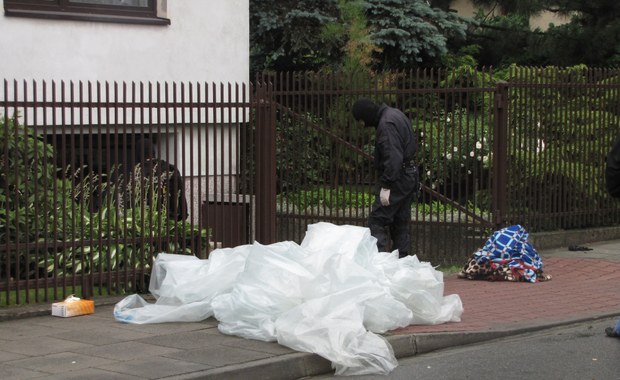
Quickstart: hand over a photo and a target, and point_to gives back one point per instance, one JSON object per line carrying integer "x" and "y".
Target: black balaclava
{"x": 366, "y": 110}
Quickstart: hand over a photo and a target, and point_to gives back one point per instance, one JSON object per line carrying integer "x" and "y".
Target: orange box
{"x": 72, "y": 307}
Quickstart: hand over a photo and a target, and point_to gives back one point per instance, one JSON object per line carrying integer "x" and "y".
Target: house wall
{"x": 542, "y": 21}
{"x": 206, "y": 41}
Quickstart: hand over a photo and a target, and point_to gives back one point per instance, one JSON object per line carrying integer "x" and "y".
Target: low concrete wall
{"x": 555, "y": 239}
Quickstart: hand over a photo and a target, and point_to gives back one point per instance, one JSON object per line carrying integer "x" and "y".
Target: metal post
{"x": 500, "y": 148}
{"x": 265, "y": 165}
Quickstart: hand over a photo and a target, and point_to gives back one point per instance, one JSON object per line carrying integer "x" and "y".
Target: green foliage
{"x": 287, "y": 35}
{"x": 502, "y": 40}
{"x": 329, "y": 198}
{"x": 453, "y": 146}
{"x": 411, "y": 32}
{"x": 577, "y": 42}
{"x": 360, "y": 49}
{"x": 308, "y": 146}
{"x": 463, "y": 78}
{"x": 30, "y": 193}
{"x": 341, "y": 199}
{"x": 450, "y": 269}
{"x": 132, "y": 226}
{"x": 558, "y": 118}
{"x": 590, "y": 35}
{"x": 54, "y": 221}
{"x": 317, "y": 35}
{"x": 464, "y": 56}
{"x": 18, "y": 298}
{"x": 28, "y": 176}
{"x": 434, "y": 207}
{"x": 302, "y": 152}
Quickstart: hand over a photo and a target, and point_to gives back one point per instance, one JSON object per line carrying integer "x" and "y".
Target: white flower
{"x": 472, "y": 153}
{"x": 485, "y": 159}
{"x": 455, "y": 149}
{"x": 428, "y": 173}
{"x": 449, "y": 156}
{"x": 540, "y": 145}
{"x": 448, "y": 120}
{"x": 469, "y": 172}
{"x": 478, "y": 145}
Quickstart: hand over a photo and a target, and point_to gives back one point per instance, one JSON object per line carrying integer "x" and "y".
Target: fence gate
{"x": 324, "y": 159}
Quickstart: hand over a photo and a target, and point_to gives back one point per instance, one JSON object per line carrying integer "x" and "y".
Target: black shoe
{"x": 611, "y": 333}
{"x": 578, "y": 248}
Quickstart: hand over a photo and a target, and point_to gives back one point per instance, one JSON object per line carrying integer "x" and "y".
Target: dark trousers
{"x": 392, "y": 221}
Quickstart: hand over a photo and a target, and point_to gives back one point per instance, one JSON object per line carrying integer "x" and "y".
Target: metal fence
{"x": 559, "y": 127}
{"x": 525, "y": 146}
{"x": 97, "y": 178}
{"x": 84, "y": 209}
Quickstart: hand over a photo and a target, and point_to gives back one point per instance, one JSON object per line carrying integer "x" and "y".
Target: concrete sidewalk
{"x": 34, "y": 344}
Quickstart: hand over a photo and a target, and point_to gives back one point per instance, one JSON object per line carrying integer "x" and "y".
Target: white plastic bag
{"x": 134, "y": 309}
{"x": 420, "y": 287}
{"x": 330, "y": 295}
{"x": 332, "y": 327}
{"x": 184, "y": 287}
{"x": 270, "y": 284}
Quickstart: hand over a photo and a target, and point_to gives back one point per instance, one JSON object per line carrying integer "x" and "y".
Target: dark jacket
{"x": 395, "y": 146}
{"x": 612, "y": 169}
{"x": 168, "y": 185}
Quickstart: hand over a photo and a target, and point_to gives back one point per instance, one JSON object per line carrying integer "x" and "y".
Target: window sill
{"x": 88, "y": 17}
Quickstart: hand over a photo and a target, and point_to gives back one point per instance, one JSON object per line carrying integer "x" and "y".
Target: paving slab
{"x": 33, "y": 344}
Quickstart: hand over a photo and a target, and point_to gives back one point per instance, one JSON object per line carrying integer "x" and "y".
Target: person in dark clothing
{"x": 167, "y": 178}
{"x": 612, "y": 169}
{"x": 612, "y": 182}
{"x": 398, "y": 182}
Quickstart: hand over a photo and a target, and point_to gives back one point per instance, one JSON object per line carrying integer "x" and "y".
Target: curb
{"x": 564, "y": 238}
{"x": 300, "y": 364}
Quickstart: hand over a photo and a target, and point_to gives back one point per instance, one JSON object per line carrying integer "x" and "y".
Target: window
{"x": 123, "y": 11}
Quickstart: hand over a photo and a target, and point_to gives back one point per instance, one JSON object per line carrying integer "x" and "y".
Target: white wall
{"x": 207, "y": 40}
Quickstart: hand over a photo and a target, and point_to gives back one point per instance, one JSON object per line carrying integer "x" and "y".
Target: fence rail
{"x": 84, "y": 206}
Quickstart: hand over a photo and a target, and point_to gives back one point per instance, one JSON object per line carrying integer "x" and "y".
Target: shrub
{"x": 31, "y": 193}
{"x": 302, "y": 152}
{"x": 131, "y": 226}
{"x": 42, "y": 209}
{"x": 452, "y": 146}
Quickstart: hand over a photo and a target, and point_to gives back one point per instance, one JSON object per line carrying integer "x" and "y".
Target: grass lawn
{"x": 10, "y": 299}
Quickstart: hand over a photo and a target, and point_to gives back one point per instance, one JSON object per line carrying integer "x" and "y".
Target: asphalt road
{"x": 579, "y": 352}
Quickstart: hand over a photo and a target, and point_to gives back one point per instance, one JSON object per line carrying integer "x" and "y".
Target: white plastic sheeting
{"x": 330, "y": 295}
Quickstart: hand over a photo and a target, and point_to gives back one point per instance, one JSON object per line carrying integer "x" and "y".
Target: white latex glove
{"x": 384, "y": 196}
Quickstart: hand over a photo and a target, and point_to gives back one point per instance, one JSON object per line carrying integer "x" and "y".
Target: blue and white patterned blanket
{"x": 509, "y": 246}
